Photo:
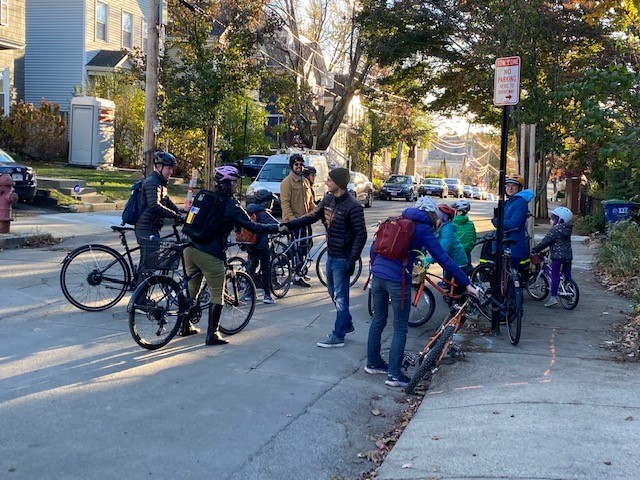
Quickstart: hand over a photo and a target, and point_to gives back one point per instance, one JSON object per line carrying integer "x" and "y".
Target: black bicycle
{"x": 95, "y": 277}
{"x": 161, "y": 303}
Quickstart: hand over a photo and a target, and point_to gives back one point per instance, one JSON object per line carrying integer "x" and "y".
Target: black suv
{"x": 399, "y": 186}
{"x": 456, "y": 187}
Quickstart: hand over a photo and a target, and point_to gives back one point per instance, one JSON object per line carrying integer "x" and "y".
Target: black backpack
{"x": 204, "y": 216}
{"x": 134, "y": 206}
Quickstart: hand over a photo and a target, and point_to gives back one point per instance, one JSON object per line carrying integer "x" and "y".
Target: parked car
{"x": 399, "y": 186}
{"x": 466, "y": 191}
{"x": 251, "y": 165}
{"x": 456, "y": 188}
{"x": 479, "y": 193}
{"x": 361, "y": 188}
{"x": 433, "y": 186}
{"x": 23, "y": 176}
{"x": 491, "y": 197}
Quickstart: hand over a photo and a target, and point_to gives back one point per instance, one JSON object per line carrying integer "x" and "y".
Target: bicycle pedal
{"x": 455, "y": 351}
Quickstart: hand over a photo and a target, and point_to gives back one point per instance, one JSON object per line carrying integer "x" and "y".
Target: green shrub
{"x": 589, "y": 224}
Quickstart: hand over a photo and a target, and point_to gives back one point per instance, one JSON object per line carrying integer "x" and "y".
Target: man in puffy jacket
{"x": 386, "y": 285}
{"x": 346, "y": 236}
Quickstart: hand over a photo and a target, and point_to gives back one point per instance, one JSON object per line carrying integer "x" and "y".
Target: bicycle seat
{"x": 119, "y": 229}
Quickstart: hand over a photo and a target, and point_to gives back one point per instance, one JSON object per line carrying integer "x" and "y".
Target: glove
{"x": 349, "y": 268}
{"x": 178, "y": 219}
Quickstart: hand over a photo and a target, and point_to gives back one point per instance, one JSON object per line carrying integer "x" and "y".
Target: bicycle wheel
{"x": 94, "y": 277}
{"x": 430, "y": 360}
{"x": 320, "y": 271}
{"x": 422, "y": 312}
{"x": 156, "y": 311}
{"x": 277, "y": 247}
{"x": 538, "y": 285}
{"x": 513, "y": 308}
{"x": 239, "y": 302}
{"x": 481, "y": 276}
{"x": 238, "y": 263}
{"x": 280, "y": 275}
{"x": 569, "y": 294}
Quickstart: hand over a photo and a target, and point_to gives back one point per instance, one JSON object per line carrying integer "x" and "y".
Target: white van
{"x": 277, "y": 168}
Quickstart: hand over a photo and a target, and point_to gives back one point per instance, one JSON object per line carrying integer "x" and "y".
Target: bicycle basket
{"x": 163, "y": 258}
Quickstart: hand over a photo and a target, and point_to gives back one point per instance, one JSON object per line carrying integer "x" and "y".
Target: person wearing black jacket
{"x": 209, "y": 257}
{"x": 346, "y": 235}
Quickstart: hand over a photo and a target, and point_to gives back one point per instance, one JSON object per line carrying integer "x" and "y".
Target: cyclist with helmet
{"x": 386, "y": 284}
{"x": 260, "y": 250}
{"x": 310, "y": 174}
{"x": 558, "y": 240}
{"x": 296, "y": 200}
{"x": 516, "y": 212}
{"x": 209, "y": 257}
{"x": 466, "y": 230}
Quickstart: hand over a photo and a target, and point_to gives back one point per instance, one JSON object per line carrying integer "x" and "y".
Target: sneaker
{"x": 331, "y": 342}
{"x": 552, "y": 301}
{"x": 306, "y": 278}
{"x": 268, "y": 300}
{"x": 382, "y": 369}
{"x": 351, "y": 329}
{"x": 301, "y": 282}
{"x": 400, "y": 381}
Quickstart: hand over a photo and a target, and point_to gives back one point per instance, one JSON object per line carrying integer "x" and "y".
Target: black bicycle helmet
{"x": 263, "y": 196}
{"x": 296, "y": 157}
{"x": 309, "y": 171}
{"x": 165, "y": 158}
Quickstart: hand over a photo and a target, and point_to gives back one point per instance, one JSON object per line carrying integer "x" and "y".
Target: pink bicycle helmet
{"x": 226, "y": 173}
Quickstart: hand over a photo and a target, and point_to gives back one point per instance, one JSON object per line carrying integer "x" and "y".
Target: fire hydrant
{"x": 7, "y": 198}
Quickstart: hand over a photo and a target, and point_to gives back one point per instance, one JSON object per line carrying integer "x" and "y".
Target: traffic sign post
{"x": 506, "y": 84}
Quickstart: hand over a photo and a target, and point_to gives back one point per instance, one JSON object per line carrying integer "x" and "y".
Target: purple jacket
{"x": 423, "y": 239}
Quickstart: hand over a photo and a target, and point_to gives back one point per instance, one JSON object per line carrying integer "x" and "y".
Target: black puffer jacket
{"x": 262, "y": 216}
{"x": 559, "y": 238}
{"x": 344, "y": 220}
{"x": 233, "y": 216}
{"x": 157, "y": 204}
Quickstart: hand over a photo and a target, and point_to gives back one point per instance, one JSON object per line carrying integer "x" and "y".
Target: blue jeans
{"x": 338, "y": 286}
{"x": 382, "y": 290}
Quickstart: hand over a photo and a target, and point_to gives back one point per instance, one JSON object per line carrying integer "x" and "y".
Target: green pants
{"x": 211, "y": 267}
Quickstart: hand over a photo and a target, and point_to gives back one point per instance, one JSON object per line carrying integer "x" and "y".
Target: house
{"x": 68, "y": 42}
{"x": 12, "y": 42}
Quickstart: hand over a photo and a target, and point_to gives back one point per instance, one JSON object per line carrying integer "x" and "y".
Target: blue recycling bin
{"x": 615, "y": 210}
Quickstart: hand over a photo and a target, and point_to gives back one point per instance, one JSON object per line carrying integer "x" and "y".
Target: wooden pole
{"x": 151, "y": 86}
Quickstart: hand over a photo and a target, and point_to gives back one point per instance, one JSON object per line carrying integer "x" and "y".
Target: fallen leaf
{"x": 495, "y": 412}
{"x": 376, "y": 412}
{"x": 607, "y": 463}
{"x": 372, "y": 455}
{"x": 435, "y": 437}
{"x": 629, "y": 418}
{"x": 407, "y": 465}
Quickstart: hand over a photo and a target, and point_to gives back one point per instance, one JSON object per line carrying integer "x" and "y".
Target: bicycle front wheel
{"x": 481, "y": 276}
{"x": 422, "y": 307}
{"x": 538, "y": 285}
{"x": 320, "y": 269}
{"x": 239, "y": 302}
{"x": 430, "y": 360}
{"x": 513, "y": 308}
{"x": 156, "y": 311}
{"x": 94, "y": 277}
{"x": 569, "y": 294}
{"x": 280, "y": 275}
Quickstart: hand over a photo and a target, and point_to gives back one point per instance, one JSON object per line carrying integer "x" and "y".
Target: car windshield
{"x": 433, "y": 181}
{"x": 254, "y": 161}
{"x": 399, "y": 180}
{"x": 273, "y": 172}
{"x": 451, "y": 180}
{"x": 5, "y": 158}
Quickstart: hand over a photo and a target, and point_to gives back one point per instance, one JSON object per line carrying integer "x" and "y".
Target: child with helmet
{"x": 466, "y": 229}
{"x": 558, "y": 241}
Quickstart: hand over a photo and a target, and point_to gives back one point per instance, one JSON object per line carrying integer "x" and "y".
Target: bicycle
{"x": 441, "y": 343}
{"x": 95, "y": 277}
{"x": 538, "y": 284}
{"x": 161, "y": 303}
{"x": 511, "y": 306}
{"x": 295, "y": 264}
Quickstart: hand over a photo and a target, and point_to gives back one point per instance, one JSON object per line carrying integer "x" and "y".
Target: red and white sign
{"x": 506, "y": 84}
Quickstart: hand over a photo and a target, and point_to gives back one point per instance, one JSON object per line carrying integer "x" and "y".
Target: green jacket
{"x": 466, "y": 232}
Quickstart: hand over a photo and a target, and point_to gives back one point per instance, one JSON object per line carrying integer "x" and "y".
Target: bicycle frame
{"x": 426, "y": 277}
{"x": 312, "y": 253}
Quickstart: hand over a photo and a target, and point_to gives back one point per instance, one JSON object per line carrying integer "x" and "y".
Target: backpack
{"x": 393, "y": 239}
{"x": 204, "y": 216}
{"x": 245, "y": 236}
{"x": 134, "y": 206}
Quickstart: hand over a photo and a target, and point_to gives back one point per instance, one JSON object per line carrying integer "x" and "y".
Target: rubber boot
{"x": 188, "y": 329}
{"x": 213, "y": 336}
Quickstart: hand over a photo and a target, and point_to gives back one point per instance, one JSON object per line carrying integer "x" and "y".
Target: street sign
{"x": 506, "y": 84}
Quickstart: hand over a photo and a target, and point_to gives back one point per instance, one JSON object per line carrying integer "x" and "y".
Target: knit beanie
{"x": 340, "y": 177}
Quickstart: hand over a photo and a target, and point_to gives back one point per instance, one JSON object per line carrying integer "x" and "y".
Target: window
{"x": 101, "y": 21}
{"x": 127, "y": 30}
{"x": 4, "y": 12}
{"x": 145, "y": 35}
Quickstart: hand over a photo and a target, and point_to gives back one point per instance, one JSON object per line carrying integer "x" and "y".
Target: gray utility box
{"x": 92, "y": 129}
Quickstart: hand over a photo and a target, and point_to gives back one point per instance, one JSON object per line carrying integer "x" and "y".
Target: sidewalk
{"x": 557, "y": 406}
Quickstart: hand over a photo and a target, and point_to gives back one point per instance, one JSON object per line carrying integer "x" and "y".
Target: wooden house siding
{"x": 12, "y": 35}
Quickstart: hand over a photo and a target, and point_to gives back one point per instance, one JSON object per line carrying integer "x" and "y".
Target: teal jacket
{"x": 466, "y": 232}
{"x": 448, "y": 238}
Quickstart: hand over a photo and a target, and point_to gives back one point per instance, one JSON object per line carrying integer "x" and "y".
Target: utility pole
{"x": 151, "y": 85}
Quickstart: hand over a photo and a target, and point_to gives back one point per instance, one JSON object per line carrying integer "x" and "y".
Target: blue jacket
{"x": 423, "y": 238}
{"x": 262, "y": 216}
{"x": 516, "y": 212}
{"x": 448, "y": 238}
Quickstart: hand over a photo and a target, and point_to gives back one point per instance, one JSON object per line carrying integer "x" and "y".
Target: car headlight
{"x": 250, "y": 191}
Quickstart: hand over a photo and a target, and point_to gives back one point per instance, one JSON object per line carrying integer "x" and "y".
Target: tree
{"x": 242, "y": 131}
